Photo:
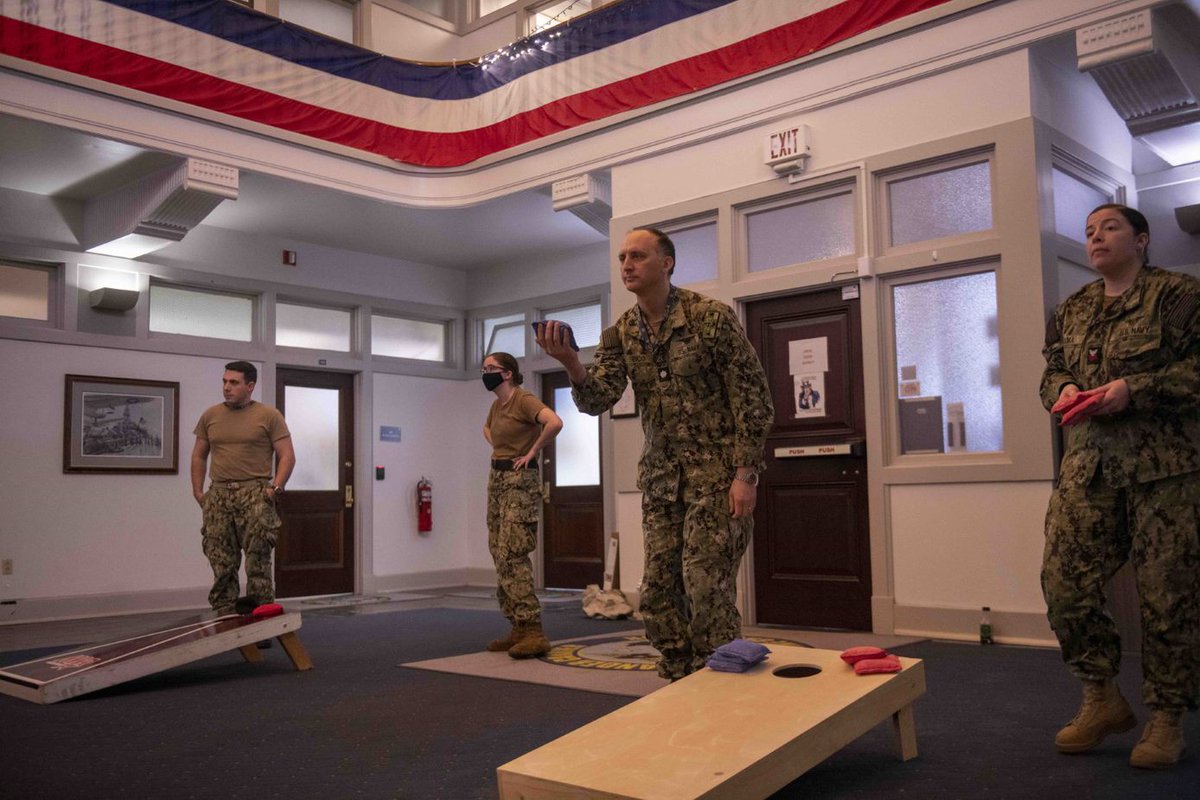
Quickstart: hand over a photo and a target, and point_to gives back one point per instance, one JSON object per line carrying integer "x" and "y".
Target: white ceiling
{"x": 43, "y": 159}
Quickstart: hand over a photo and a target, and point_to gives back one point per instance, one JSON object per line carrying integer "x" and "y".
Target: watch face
{"x": 751, "y": 479}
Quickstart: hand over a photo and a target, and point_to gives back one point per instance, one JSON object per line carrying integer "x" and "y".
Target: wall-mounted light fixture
{"x": 111, "y": 299}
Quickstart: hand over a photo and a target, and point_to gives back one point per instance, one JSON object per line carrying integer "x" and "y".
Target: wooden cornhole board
{"x": 98, "y": 666}
{"x": 722, "y": 736}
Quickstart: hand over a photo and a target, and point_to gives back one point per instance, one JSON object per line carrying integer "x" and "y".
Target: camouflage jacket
{"x": 1150, "y": 336}
{"x": 702, "y": 394}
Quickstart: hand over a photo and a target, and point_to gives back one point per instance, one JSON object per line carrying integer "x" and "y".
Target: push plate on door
{"x": 813, "y": 450}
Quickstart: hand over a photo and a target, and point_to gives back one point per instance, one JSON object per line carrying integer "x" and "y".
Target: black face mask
{"x": 492, "y": 379}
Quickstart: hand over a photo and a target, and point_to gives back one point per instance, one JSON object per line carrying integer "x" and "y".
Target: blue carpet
{"x": 359, "y": 726}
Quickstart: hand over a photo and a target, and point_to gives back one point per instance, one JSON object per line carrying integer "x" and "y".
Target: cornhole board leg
{"x": 295, "y": 650}
{"x": 722, "y": 736}
{"x": 291, "y": 645}
{"x": 98, "y": 666}
{"x": 906, "y": 733}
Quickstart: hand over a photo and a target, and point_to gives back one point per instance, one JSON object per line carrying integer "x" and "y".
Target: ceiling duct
{"x": 588, "y": 197}
{"x": 1148, "y": 67}
{"x": 157, "y": 209}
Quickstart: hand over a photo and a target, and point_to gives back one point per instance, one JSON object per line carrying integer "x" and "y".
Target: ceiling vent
{"x": 588, "y": 197}
{"x": 1148, "y": 67}
{"x": 157, "y": 209}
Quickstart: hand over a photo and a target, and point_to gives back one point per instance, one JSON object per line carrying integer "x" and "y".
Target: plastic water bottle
{"x": 985, "y": 627}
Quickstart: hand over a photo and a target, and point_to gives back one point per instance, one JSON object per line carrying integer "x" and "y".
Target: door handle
{"x": 349, "y": 496}
{"x": 546, "y": 491}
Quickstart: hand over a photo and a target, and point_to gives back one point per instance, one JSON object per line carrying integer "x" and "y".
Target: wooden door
{"x": 812, "y": 564}
{"x": 573, "y": 507}
{"x": 315, "y": 551}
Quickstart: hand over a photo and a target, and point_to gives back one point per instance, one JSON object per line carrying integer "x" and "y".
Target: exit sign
{"x": 787, "y": 148}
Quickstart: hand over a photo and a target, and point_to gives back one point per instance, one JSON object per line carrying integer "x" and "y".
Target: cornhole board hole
{"x": 98, "y": 666}
{"x": 722, "y": 736}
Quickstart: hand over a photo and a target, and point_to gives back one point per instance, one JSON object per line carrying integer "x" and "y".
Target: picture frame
{"x": 626, "y": 406}
{"x": 120, "y": 425}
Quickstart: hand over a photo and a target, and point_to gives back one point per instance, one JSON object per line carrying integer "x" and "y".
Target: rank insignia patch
{"x": 1093, "y": 355}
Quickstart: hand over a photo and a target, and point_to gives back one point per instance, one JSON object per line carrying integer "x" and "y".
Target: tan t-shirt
{"x": 514, "y": 424}
{"x": 241, "y": 440}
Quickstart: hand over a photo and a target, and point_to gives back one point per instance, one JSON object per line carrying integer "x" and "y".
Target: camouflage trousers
{"x": 1090, "y": 533}
{"x": 514, "y": 502}
{"x": 689, "y": 588}
{"x": 239, "y": 518}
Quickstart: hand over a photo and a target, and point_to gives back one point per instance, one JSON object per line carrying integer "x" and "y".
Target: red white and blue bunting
{"x": 222, "y": 57}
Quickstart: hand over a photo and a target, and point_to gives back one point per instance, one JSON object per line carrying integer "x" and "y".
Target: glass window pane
{"x": 408, "y": 338}
{"x": 323, "y": 16}
{"x": 491, "y": 345}
{"x": 695, "y": 254}
{"x": 577, "y": 446}
{"x": 555, "y": 13}
{"x": 806, "y": 231}
{"x": 938, "y": 204}
{"x": 192, "y": 313}
{"x": 312, "y": 327}
{"x": 584, "y": 322}
{"x": 24, "y": 292}
{"x": 313, "y": 418}
{"x": 508, "y": 339}
{"x": 488, "y": 6}
{"x": 948, "y": 364}
{"x": 1073, "y": 201}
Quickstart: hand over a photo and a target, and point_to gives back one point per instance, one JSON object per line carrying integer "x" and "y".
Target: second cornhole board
{"x": 98, "y": 666}
{"x": 722, "y": 736}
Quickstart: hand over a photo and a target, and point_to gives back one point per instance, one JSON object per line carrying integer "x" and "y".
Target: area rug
{"x": 623, "y": 663}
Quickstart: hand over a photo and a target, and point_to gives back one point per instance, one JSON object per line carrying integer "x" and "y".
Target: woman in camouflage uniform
{"x": 1123, "y": 370}
{"x": 518, "y": 426}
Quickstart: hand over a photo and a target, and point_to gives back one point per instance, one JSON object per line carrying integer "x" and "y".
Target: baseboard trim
{"x": 434, "y": 579}
{"x": 962, "y": 624}
{"x": 88, "y": 606}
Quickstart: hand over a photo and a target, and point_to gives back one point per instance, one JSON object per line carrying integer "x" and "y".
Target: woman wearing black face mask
{"x": 518, "y": 426}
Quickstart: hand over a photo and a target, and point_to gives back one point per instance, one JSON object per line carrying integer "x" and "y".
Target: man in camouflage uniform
{"x": 242, "y": 435}
{"x": 706, "y": 411}
{"x": 1129, "y": 486}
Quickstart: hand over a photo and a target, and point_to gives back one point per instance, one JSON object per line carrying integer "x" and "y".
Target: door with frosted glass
{"x": 812, "y": 564}
{"x": 573, "y": 507}
{"x": 315, "y": 551}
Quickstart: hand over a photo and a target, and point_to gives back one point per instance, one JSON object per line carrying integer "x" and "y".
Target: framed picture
{"x": 626, "y": 406}
{"x": 120, "y": 425}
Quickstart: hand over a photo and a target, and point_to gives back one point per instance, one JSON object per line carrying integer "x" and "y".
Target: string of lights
{"x": 522, "y": 48}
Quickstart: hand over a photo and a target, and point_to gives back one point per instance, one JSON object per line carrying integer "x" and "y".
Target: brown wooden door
{"x": 573, "y": 507}
{"x": 315, "y": 551}
{"x": 812, "y": 563}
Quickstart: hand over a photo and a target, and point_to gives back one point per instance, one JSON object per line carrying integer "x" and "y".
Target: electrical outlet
{"x": 6, "y": 566}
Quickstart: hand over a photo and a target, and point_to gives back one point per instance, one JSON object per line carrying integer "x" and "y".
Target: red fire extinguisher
{"x": 424, "y": 505}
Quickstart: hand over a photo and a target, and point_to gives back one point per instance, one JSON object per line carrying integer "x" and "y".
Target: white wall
{"x": 95, "y": 534}
{"x": 401, "y": 36}
{"x": 506, "y": 283}
{"x": 441, "y": 438}
{"x": 969, "y": 545}
{"x": 941, "y": 105}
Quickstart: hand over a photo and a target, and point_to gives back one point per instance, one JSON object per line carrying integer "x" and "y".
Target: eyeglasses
{"x": 487, "y": 370}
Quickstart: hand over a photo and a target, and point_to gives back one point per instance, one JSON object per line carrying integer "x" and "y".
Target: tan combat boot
{"x": 532, "y": 643}
{"x": 501, "y": 645}
{"x": 1104, "y": 711}
{"x": 1161, "y": 744}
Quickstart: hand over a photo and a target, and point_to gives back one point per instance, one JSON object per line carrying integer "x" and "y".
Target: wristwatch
{"x": 750, "y": 478}
{"x": 277, "y": 489}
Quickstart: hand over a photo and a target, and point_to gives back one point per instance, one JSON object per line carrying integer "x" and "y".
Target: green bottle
{"x": 985, "y": 627}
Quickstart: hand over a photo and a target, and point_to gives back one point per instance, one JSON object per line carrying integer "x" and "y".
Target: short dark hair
{"x": 248, "y": 370}
{"x": 666, "y": 247}
{"x": 1136, "y": 219}
{"x": 509, "y": 364}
